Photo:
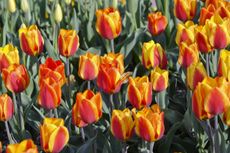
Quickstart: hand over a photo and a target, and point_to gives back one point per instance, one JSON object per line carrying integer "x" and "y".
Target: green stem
{"x": 8, "y": 133}
{"x": 21, "y": 119}
{"x": 111, "y": 102}
{"x": 112, "y": 45}
{"x": 151, "y": 147}
{"x": 55, "y": 113}
{"x": 88, "y": 85}
{"x": 207, "y": 63}
{"x": 82, "y": 134}
{"x": 124, "y": 148}
{"x": 92, "y": 131}
{"x": 15, "y": 105}
{"x": 68, "y": 82}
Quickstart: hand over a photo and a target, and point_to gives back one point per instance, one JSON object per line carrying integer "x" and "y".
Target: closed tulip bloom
{"x": 139, "y": 92}
{"x": 54, "y": 135}
{"x": 224, "y": 10}
{"x": 58, "y": 13}
{"x": 153, "y": 55}
{"x": 185, "y": 9}
{"x": 185, "y": 32}
{"x": 53, "y": 69}
{"x": 68, "y": 42}
{"x": 11, "y": 6}
{"x": 88, "y": 66}
{"x": 16, "y": 78}
{"x": 188, "y": 54}
{"x": 159, "y": 79}
{"x": 87, "y": 109}
{"x": 31, "y": 40}
{"x": 26, "y": 146}
{"x": 108, "y": 23}
{"x": 50, "y": 93}
{"x": 206, "y": 13}
{"x": 195, "y": 74}
{"x": 8, "y": 56}
{"x": 122, "y": 124}
{"x": 149, "y": 123}
{"x": 157, "y": 23}
{"x": 25, "y": 6}
{"x": 209, "y": 98}
{"x": 6, "y": 107}
{"x": 224, "y": 64}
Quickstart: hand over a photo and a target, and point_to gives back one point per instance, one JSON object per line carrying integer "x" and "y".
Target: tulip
{"x": 25, "y": 6}
{"x": 54, "y": 135}
{"x": 31, "y": 40}
{"x": 139, "y": 92}
{"x": 224, "y": 10}
{"x": 149, "y": 123}
{"x": 185, "y": 32}
{"x": 87, "y": 109}
{"x": 68, "y": 42}
{"x": 8, "y": 56}
{"x": 68, "y": 2}
{"x": 53, "y": 69}
{"x": 26, "y": 146}
{"x": 209, "y": 98}
{"x": 58, "y": 13}
{"x": 188, "y": 54}
{"x": 224, "y": 64}
{"x": 206, "y": 13}
{"x": 88, "y": 66}
{"x": 215, "y": 3}
{"x": 122, "y": 124}
{"x": 0, "y": 147}
{"x": 11, "y": 6}
{"x": 108, "y": 23}
{"x": 185, "y": 9}
{"x": 153, "y": 55}
{"x": 16, "y": 78}
{"x": 157, "y": 23}
{"x": 159, "y": 79}
{"x": 6, "y": 107}
{"x": 50, "y": 94}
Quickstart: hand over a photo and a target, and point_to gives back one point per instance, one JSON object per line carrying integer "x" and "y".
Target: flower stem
{"x": 207, "y": 63}
{"x": 82, "y": 134}
{"x": 55, "y": 113}
{"x": 88, "y": 85}
{"x": 112, "y": 45}
{"x": 111, "y": 102}
{"x": 20, "y": 113}
{"x": 8, "y": 133}
{"x": 151, "y": 147}
{"x": 124, "y": 148}
{"x": 68, "y": 82}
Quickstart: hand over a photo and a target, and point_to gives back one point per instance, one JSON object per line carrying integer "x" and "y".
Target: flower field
{"x": 115, "y": 76}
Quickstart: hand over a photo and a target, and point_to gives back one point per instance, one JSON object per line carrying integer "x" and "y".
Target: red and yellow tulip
{"x": 6, "y": 107}
{"x": 224, "y": 64}
{"x": 157, "y": 23}
{"x": 87, "y": 109}
{"x": 195, "y": 74}
{"x": 122, "y": 124}
{"x": 31, "y": 40}
{"x": 8, "y": 56}
{"x": 159, "y": 79}
{"x": 185, "y": 9}
{"x": 209, "y": 98}
{"x": 68, "y": 42}
{"x": 108, "y": 23}
{"x": 149, "y": 123}
{"x": 88, "y": 66}
{"x": 54, "y": 135}
{"x": 139, "y": 92}
{"x": 16, "y": 78}
{"x": 206, "y": 13}
{"x": 26, "y": 146}
{"x": 153, "y": 55}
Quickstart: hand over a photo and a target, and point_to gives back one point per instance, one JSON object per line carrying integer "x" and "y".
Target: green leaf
{"x": 87, "y": 146}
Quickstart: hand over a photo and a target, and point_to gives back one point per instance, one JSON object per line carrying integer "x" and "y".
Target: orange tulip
{"x": 50, "y": 94}
{"x": 6, "y": 107}
{"x": 153, "y": 55}
{"x": 157, "y": 23}
{"x": 53, "y": 69}
{"x": 139, "y": 92}
{"x": 224, "y": 10}
{"x": 16, "y": 78}
{"x": 8, "y": 56}
{"x": 224, "y": 64}
{"x": 87, "y": 109}
{"x": 31, "y": 40}
{"x": 209, "y": 98}
{"x": 195, "y": 74}
{"x": 185, "y": 32}
{"x": 68, "y": 42}
{"x": 88, "y": 66}
{"x": 26, "y": 146}
{"x": 206, "y": 13}
{"x": 122, "y": 124}
{"x": 215, "y": 3}
{"x": 188, "y": 54}
{"x": 108, "y": 23}
{"x": 159, "y": 79}
{"x": 185, "y": 9}
{"x": 149, "y": 123}
{"x": 54, "y": 135}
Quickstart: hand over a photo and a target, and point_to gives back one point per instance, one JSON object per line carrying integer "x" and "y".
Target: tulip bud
{"x": 54, "y": 135}
{"x": 24, "y": 146}
{"x": 206, "y": 13}
{"x": 224, "y": 64}
{"x": 68, "y": 2}
{"x": 87, "y": 109}
{"x": 6, "y": 107}
{"x": 185, "y": 9}
{"x": 11, "y": 6}
{"x": 25, "y": 6}
{"x": 159, "y": 79}
{"x": 157, "y": 23}
{"x": 122, "y": 124}
{"x": 58, "y": 13}
{"x": 139, "y": 92}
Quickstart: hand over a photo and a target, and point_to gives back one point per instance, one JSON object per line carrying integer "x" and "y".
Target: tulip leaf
{"x": 86, "y": 147}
